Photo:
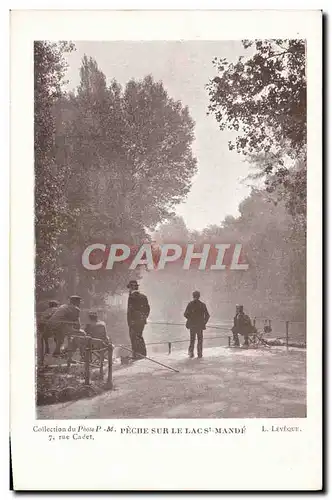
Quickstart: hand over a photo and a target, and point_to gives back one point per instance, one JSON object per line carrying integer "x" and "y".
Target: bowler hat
{"x": 132, "y": 283}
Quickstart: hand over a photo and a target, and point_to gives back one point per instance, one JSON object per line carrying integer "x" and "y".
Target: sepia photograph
{"x": 166, "y": 236}
{"x": 170, "y": 228}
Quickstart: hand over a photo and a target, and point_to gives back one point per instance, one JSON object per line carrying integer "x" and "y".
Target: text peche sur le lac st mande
{"x": 89, "y": 432}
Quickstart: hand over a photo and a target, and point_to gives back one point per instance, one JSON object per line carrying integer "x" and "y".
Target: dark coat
{"x": 197, "y": 315}
{"x": 43, "y": 322}
{"x": 43, "y": 317}
{"x": 68, "y": 315}
{"x": 242, "y": 324}
{"x": 138, "y": 308}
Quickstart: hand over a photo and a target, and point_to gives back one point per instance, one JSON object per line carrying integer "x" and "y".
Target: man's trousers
{"x": 137, "y": 341}
{"x": 193, "y": 333}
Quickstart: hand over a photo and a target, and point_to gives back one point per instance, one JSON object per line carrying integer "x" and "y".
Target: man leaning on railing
{"x": 64, "y": 320}
{"x": 96, "y": 329}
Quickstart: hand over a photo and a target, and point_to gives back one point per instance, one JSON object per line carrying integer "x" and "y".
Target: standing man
{"x": 197, "y": 317}
{"x": 65, "y": 319}
{"x": 242, "y": 325}
{"x": 137, "y": 313}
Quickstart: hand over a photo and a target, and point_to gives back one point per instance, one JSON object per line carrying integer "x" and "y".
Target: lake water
{"x": 178, "y": 335}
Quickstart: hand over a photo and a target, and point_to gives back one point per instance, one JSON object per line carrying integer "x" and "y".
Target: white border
{"x": 289, "y": 462}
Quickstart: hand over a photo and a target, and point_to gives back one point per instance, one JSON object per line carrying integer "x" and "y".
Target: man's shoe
{"x": 190, "y": 355}
{"x": 200, "y": 356}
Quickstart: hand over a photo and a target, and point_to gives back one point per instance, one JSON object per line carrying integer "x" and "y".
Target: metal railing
{"x": 269, "y": 322}
{"x": 87, "y": 343}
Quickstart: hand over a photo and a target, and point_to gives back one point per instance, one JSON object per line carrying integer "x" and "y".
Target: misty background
{"x": 127, "y": 152}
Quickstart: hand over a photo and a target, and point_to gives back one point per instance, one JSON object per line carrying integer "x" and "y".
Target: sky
{"x": 184, "y": 68}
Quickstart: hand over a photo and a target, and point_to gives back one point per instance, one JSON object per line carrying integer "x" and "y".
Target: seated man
{"x": 96, "y": 329}
{"x": 242, "y": 325}
{"x": 43, "y": 327}
{"x": 66, "y": 319}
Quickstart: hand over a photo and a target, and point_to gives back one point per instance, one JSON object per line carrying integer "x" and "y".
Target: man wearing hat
{"x": 242, "y": 325}
{"x": 197, "y": 317}
{"x": 43, "y": 327}
{"x": 65, "y": 319}
{"x": 137, "y": 313}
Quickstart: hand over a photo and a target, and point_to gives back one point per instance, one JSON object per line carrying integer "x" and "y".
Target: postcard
{"x": 166, "y": 242}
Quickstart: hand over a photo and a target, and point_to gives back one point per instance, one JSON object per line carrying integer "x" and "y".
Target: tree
{"x": 274, "y": 248}
{"x": 263, "y": 99}
{"x": 50, "y": 205}
{"x": 129, "y": 159}
{"x": 174, "y": 230}
{"x": 157, "y": 144}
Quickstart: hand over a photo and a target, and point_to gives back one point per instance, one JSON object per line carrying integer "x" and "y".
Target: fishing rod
{"x": 150, "y": 359}
{"x": 218, "y": 327}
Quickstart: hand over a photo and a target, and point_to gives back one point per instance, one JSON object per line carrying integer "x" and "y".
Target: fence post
{"x": 69, "y": 352}
{"x": 101, "y": 368}
{"x": 169, "y": 347}
{"x": 40, "y": 349}
{"x": 87, "y": 361}
{"x": 287, "y": 333}
{"x": 110, "y": 361}
{"x": 254, "y": 322}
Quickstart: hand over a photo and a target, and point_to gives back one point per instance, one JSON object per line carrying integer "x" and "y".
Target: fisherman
{"x": 97, "y": 330}
{"x": 197, "y": 317}
{"x": 43, "y": 328}
{"x": 64, "y": 320}
{"x": 236, "y": 341}
{"x": 242, "y": 325}
{"x": 137, "y": 313}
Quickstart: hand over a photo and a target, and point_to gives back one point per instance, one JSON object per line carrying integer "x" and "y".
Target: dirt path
{"x": 226, "y": 383}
